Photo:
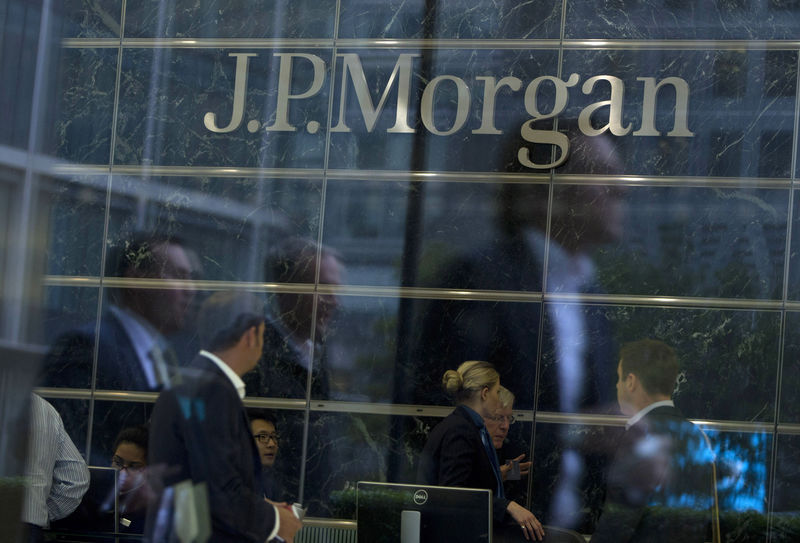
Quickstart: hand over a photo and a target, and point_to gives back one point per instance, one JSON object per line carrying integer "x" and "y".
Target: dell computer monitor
{"x": 397, "y": 513}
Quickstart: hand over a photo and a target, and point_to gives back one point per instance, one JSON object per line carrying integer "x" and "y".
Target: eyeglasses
{"x": 501, "y": 418}
{"x": 120, "y": 463}
{"x": 264, "y": 437}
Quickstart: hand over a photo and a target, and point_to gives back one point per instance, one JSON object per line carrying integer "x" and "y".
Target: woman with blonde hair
{"x": 459, "y": 451}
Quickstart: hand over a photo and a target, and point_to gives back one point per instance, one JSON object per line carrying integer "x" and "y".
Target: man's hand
{"x": 524, "y": 467}
{"x": 290, "y": 524}
{"x": 531, "y": 527}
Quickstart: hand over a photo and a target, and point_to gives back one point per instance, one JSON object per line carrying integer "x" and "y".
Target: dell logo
{"x": 420, "y": 497}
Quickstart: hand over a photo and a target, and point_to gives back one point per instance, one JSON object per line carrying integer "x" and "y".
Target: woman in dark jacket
{"x": 459, "y": 450}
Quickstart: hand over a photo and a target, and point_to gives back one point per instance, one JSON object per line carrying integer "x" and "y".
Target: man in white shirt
{"x": 202, "y": 454}
{"x": 660, "y": 484}
{"x": 56, "y": 474}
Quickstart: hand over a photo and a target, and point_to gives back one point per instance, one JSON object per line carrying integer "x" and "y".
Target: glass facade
{"x": 533, "y": 184}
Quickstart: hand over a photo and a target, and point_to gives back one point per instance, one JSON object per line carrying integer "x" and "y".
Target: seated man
{"x": 660, "y": 483}
{"x": 498, "y": 427}
{"x": 267, "y": 439}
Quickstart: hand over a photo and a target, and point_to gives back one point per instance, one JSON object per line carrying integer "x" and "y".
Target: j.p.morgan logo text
{"x": 353, "y": 78}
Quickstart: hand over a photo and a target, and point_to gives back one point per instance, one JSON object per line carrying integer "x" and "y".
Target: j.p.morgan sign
{"x": 354, "y": 80}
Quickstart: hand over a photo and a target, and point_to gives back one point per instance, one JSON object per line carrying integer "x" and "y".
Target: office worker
{"x": 459, "y": 451}
{"x": 130, "y": 458}
{"x": 265, "y": 434}
{"x": 201, "y": 445}
{"x": 498, "y": 426}
{"x": 660, "y": 483}
{"x": 55, "y": 473}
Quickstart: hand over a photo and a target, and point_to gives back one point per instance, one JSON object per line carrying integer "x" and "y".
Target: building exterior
{"x": 531, "y": 183}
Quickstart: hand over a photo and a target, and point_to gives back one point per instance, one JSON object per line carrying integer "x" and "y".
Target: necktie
{"x": 487, "y": 445}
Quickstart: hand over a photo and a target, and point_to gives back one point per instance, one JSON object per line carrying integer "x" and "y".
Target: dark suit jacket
{"x": 200, "y": 432}
{"x": 69, "y": 361}
{"x": 504, "y": 333}
{"x": 280, "y": 372}
{"x": 454, "y": 456}
{"x": 660, "y": 485}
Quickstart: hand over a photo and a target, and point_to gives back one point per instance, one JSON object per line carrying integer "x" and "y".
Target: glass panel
{"x": 156, "y": 127}
{"x": 368, "y": 221}
{"x": 265, "y": 19}
{"x": 84, "y": 19}
{"x": 745, "y": 343}
{"x": 452, "y": 98}
{"x": 673, "y": 19}
{"x": 716, "y": 243}
{"x": 403, "y": 186}
{"x": 708, "y": 139}
{"x": 76, "y": 125}
{"x": 228, "y": 225}
{"x": 451, "y": 20}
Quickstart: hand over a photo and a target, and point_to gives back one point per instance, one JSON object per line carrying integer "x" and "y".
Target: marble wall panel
{"x": 445, "y": 235}
{"x": 738, "y": 125}
{"x": 540, "y": 19}
{"x": 229, "y": 226}
{"x": 16, "y": 99}
{"x": 793, "y": 287}
{"x": 89, "y": 18}
{"x": 728, "y": 358}
{"x": 786, "y": 493}
{"x": 76, "y": 211}
{"x": 230, "y": 19}
{"x": 361, "y": 349}
{"x": 424, "y": 149}
{"x": 447, "y": 333}
{"x": 167, "y": 93}
{"x": 66, "y": 308}
{"x": 383, "y": 349}
{"x": 76, "y": 122}
{"x": 673, "y": 19}
{"x": 790, "y": 378}
{"x": 718, "y": 243}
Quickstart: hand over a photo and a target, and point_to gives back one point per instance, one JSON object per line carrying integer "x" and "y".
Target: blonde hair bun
{"x": 469, "y": 379}
{"x": 452, "y": 382}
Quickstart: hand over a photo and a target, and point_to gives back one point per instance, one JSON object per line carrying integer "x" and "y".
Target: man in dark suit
{"x": 572, "y": 341}
{"x": 294, "y": 336}
{"x": 660, "y": 485}
{"x": 202, "y": 454}
{"x": 132, "y": 350}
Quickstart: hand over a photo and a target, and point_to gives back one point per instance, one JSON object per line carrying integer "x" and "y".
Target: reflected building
{"x": 531, "y": 184}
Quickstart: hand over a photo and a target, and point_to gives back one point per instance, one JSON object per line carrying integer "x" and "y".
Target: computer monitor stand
{"x": 410, "y": 524}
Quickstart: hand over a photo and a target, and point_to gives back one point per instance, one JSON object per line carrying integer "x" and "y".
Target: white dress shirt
{"x": 638, "y": 416}
{"x": 238, "y": 384}
{"x": 55, "y": 472}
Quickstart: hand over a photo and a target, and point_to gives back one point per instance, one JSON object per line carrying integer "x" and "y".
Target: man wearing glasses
{"x": 267, "y": 440}
{"x": 511, "y": 467}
